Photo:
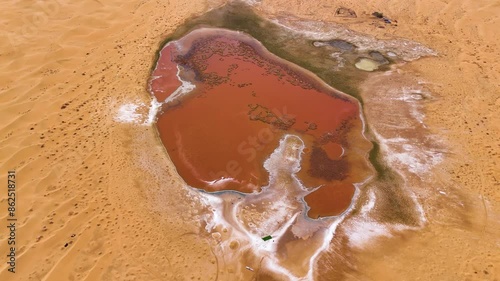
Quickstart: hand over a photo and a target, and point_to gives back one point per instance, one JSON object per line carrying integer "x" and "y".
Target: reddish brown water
{"x": 219, "y": 135}
{"x": 165, "y": 81}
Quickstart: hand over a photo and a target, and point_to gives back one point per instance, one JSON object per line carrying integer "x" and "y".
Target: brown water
{"x": 219, "y": 135}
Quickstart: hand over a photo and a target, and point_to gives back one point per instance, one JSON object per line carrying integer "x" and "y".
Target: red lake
{"x": 227, "y": 102}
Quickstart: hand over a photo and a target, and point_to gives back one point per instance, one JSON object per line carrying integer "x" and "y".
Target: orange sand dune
{"x": 91, "y": 173}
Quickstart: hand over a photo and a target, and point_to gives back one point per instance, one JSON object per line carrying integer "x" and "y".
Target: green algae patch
{"x": 267, "y": 238}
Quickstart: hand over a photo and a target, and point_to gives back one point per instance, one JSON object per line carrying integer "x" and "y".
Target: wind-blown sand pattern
{"x": 99, "y": 199}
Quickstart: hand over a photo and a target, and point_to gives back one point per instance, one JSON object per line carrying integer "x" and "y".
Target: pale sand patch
{"x": 127, "y": 113}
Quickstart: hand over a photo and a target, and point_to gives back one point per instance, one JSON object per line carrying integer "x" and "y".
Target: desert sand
{"x": 99, "y": 199}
